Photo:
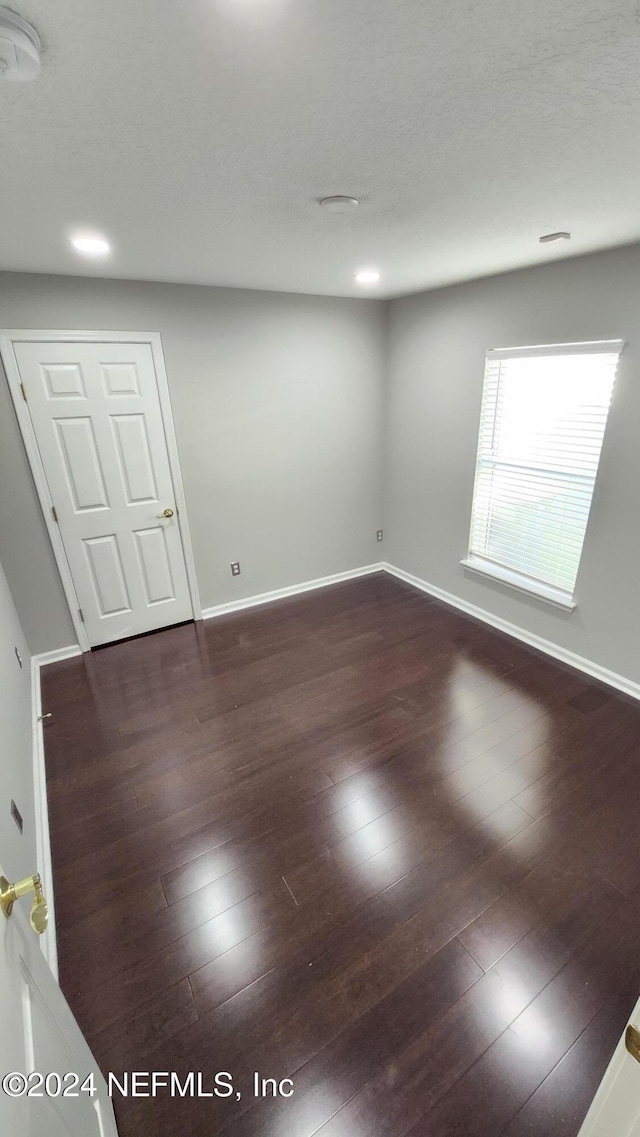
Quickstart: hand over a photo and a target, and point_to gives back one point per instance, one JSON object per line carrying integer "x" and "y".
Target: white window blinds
{"x": 544, "y": 412}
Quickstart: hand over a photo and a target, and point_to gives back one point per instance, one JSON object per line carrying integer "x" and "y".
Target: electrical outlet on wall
{"x": 235, "y": 568}
{"x": 379, "y": 534}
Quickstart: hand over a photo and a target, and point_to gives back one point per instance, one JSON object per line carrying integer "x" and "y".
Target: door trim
{"x": 8, "y": 337}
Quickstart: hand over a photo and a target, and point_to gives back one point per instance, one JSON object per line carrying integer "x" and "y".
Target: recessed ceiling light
{"x": 91, "y": 246}
{"x": 368, "y": 276}
{"x": 339, "y": 204}
{"x": 561, "y": 236}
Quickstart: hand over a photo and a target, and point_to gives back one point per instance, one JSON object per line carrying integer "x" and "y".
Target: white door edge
{"x": 48, "y": 941}
{"x": 8, "y": 337}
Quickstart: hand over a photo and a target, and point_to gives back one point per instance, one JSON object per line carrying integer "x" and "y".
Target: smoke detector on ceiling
{"x": 19, "y": 47}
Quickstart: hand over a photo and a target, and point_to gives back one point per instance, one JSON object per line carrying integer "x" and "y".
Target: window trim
{"x": 589, "y": 347}
{"x": 483, "y": 566}
{"x": 520, "y": 582}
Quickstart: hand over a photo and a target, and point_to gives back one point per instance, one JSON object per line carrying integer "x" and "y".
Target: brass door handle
{"x": 168, "y": 512}
{"x": 9, "y": 893}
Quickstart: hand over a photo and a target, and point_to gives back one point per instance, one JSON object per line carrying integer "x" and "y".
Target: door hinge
{"x": 24, "y": 393}
{"x": 81, "y": 614}
{"x": 632, "y": 1042}
{"x": 53, "y": 513}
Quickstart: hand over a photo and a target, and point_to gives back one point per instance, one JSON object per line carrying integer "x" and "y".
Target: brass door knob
{"x": 9, "y": 893}
{"x": 168, "y": 512}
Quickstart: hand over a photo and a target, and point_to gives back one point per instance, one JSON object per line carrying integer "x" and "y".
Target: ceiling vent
{"x": 339, "y": 203}
{"x": 19, "y": 47}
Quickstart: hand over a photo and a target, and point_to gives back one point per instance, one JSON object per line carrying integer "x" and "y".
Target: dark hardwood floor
{"x": 355, "y": 839}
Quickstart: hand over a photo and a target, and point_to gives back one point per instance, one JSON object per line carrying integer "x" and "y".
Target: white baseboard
{"x": 55, "y": 656}
{"x": 563, "y": 655}
{"x": 291, "y": 590}
{"x": 594, "y": 670}
{"x": 48, "y": 942}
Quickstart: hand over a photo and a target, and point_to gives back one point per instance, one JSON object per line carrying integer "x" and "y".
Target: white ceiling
{"x": 198, "y": 135}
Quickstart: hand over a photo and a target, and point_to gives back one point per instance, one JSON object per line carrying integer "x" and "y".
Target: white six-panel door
{"x": 98, "y": 424}
{"x": 39, "y": 1035}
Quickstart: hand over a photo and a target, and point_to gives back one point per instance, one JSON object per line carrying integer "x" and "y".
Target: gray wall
{"x": 278, "y": 406}
{"x": 437, "y": 343}
{"x": 277, "y": 402}
{"x": 18, "y": 850}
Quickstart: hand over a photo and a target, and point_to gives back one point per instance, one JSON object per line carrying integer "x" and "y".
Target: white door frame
{"x": 7, "y": 339}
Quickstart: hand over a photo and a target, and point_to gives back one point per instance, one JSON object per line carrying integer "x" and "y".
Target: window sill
{"x": 521, "y": 583}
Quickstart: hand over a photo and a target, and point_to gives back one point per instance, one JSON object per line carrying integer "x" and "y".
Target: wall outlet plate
{"x": 379, "y": 534}
{"x": 235, "y": 568}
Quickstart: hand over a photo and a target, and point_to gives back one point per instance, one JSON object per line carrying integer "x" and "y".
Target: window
{"x": 544, "y": 412}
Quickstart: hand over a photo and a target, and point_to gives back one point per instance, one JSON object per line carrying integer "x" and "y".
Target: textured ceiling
{"x": 199, "y": 134}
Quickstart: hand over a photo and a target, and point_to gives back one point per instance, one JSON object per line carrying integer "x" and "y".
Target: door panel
{"x": 132, "y": 446}
{"x": 98, "y": 424}
{"x": 154, "y": 562}
{"x": 107, "y": 575}
{"x": 81, "y": 464}
{"x": 120, "y": 379}
{"x": 63, "y": 381}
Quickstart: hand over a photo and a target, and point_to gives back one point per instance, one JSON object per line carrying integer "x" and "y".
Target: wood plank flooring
{"x": 355, "y": 839}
